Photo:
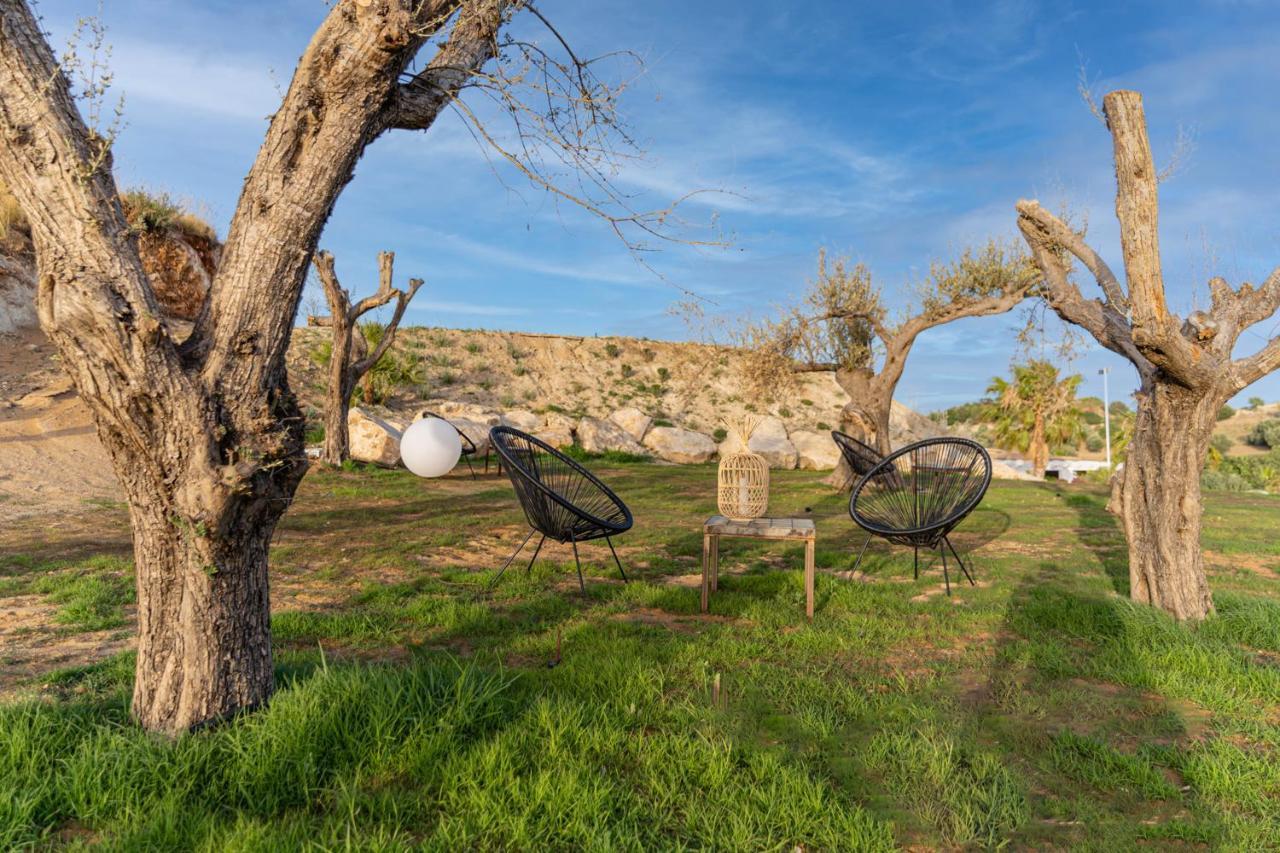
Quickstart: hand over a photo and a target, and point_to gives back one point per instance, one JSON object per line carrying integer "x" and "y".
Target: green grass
{"x": 1040, "y": 710}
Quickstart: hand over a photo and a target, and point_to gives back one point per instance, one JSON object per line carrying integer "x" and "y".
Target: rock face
{"x": 476, "y": 431}
{"x": 373, "y": 439}
{"x": 449, "y": 410}
{"x": 597, "y": 435}
{"x": 634, "y": 421}
{"x": 523, "y": 420}
{"x": 181, "y": 267}
{"x": 816, "y": 450}
{"x": 680, "y": 445}
{"x": 556, "y": 430}
{"x": 769, "y": 440}
{"x": 17, "y": 293}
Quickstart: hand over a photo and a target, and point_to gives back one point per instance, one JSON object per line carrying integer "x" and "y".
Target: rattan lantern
{"x": 743, "y": 491}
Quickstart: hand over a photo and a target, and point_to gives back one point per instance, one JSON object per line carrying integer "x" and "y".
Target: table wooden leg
{"x": 715, "y": 563}
{"x": 808, "y": 577}
{"x": 706, "y": 569}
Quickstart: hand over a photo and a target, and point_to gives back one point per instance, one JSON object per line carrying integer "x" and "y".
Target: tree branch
{"x": 1047, "y": 236}
{"x": 473, "y": 41}
{"x": 389, "y": 333}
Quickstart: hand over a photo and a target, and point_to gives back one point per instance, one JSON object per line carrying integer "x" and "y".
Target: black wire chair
{"x": 468, "y": 446}
{"x": 561, "y": 500}
{"x": 917, "y": 495}
{"x": 860, "y": 457}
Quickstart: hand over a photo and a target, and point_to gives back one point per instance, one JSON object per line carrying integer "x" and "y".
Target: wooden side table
{"x": 756, "y": 528}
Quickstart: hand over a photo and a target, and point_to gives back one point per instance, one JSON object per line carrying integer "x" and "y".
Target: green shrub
{"x": 662, "y": 422}
{"x": 612, "y": 350}
{"x": 1223, "y": 481}
{"x": 1256, "y": 403}
{"x": 1225, "y": 412}
{"x": 1091, "y": 418}
{"x": 720, "y": 434}
{"x": 1221, "y": 443}
{"x": 1094, "y": 443}
{"x": 1265, "y": 434}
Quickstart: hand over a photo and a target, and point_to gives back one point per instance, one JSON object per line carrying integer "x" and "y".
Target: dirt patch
{"x": 682, "y": 623}
{"x": 35, "y": 643}
{"x": 50, "y": 456}
{"x": 1248, "y": 562}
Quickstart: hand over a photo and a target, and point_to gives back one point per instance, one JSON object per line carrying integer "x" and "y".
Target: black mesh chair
{"x": 561, "y": 500}
{"x": 917, "y": 495}
{"x": 860, "y": 457}
{"x": 468, "y": 446}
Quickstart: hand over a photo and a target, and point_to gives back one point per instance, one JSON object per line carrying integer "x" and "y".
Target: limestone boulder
{"x": 451, "y": 409}
{"x": 634, "y": 421}
{"x": 521, "y": 419}
{"x": 476, "y": 431}
{"x": 556, "y": 430}
{"x": 373, "y": 439}
{"x": 816, "y": 450}
{"x": 684, "y": 446}
{"x": 597, "y": 435}
{"x": 769, "y": 440}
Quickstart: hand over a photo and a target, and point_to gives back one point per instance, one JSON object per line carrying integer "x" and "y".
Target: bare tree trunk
{"x": 337, "y": 440}
{"x": 1039, "y": 447}
{"x": 349, "y": 356}
{"x": 1156, "y": 496}
{"x": 204, "y": 622}
{"x": 1187, "y": 367}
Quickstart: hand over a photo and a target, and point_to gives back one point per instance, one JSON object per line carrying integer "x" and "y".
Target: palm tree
{"x": 1034, "y": 410}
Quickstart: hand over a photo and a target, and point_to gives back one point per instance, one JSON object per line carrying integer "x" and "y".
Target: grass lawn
{"x": 1038, "y": 710}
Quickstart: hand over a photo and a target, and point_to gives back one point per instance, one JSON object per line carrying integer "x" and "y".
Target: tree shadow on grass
{"x": 1101, "y": 536}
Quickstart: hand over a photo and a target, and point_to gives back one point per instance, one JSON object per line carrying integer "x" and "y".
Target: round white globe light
{"x": 430, "y": 447}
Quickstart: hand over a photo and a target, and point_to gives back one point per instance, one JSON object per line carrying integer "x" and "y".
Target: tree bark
{"x": 1039, "y": 447}
{"x": 1157, "y": 498}
{"x": 204, "y": 620}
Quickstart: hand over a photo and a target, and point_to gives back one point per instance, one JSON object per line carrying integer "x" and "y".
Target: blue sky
{"x": 893, "y": 133}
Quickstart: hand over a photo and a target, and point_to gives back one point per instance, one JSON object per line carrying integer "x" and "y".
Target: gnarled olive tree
{"x": 843, "y": 325}
{"x": 204, "y": 433}
{"x": 1186, "y": 368}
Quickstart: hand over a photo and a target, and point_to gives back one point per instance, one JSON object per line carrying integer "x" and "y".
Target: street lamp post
{"x": 1106, "y": 411}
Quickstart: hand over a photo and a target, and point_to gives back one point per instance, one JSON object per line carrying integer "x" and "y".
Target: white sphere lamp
{"x": 430, "y": 447}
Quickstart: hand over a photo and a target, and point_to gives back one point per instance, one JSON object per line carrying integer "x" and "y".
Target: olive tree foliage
{"x": 1187, "y": 367}
{"x": 204, "y": 432}
{"x": 844, "y": 324}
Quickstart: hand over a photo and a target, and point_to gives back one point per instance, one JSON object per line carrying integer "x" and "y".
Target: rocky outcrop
{"x": 373, "y": 439}
{"x": 521, "y": 419}
{"x": 476, "y": 431}
{"x": 769, "y": 440}
{"x": 816, "y": 450}
{"x": 674, "y": 444}
{"x": 597, "y": 435}
{"x": 634, "y": 421}
{"x": 556, "y": 430}
{"x": 17, "y": 293}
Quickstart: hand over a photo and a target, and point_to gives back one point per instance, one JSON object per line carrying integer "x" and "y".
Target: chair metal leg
{"x": 858, "y": 562}
{"x": 946, "y": 577}
{"x": 916, "y": 557}
{"x": 615, "y": 559}
{"x": 581, "y": 583}
{"x": 963, "y": 567}
{"x": 529, "y": 568}
{"x": 470, "y": 467}
{"x": 498, "y": 576}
